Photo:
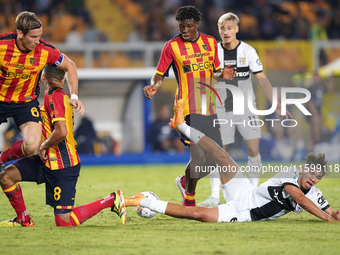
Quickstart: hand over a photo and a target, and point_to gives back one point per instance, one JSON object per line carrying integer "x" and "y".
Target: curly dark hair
{"x": 188, "y": 12}
{"x": 316, "y": 161}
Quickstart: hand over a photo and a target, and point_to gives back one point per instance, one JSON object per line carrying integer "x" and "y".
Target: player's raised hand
{"x": 78, "y": 106}
{"x": 228, "y": 73}
{"x": 149, "y": 91}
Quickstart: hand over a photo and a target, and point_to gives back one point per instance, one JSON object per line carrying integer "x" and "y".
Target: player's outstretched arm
{"x": 72, "y": 80}
{"x": 156, "y": 83}
{"x": 307, "y": 204}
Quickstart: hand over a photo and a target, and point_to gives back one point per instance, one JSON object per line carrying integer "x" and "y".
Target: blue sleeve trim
{"x": 59, "y": 61}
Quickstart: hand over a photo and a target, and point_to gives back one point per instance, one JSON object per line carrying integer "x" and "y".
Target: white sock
{"x": 193, "y": 134}
{"x": 146, "y": 202}
{"x": 158, "y": 206}
{"x": 254, "y": 164}
{"x": 155, "y": 205}
{"x": 215, "y": 184}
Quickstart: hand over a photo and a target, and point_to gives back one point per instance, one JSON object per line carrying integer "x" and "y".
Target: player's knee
{"x": 196, "y": 214}
{"x": 62, "y": 221}
{"x": 31, "y": 145}
{"x": 221, "y": 155}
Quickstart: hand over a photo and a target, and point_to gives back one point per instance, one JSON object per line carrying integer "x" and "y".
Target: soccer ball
{"x": 146, "y": 212}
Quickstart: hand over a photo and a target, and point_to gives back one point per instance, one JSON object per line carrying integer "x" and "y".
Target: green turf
{"x": 103, "y": 234}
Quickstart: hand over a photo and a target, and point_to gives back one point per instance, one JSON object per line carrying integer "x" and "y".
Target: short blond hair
{"x": 228, "y": 16}
{"x": 27, "y": 21}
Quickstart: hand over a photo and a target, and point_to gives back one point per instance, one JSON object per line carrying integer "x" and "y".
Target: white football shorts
{"x": 237, "y": 193}
{"x": 248, "y": 125}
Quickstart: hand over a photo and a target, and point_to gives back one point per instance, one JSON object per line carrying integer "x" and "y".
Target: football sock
{"x": 254, "y": 164}
{"x": 14, "y": 194}
{"x": 193, "y": 134}
{"x": 146, "y": 202}
{"x": 183, "y": 181}
{"x": 84, "y": 212}
{"x": 155, "y": 205}
{"x": 158, "y": 206}
{"x": 16, "y": 151}
{"x": 215, "y": 184}
{"x": 189, "y": 199}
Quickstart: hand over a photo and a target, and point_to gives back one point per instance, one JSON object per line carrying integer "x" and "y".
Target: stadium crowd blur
{"x": 153, "y": 20}
{"x": 81, "y": 21}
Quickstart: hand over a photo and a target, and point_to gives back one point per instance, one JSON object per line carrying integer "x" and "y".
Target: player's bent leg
{"x": 31, "y": 133}
{"x": 225, "y": 164}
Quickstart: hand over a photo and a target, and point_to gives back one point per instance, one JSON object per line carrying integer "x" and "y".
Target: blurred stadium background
{"x": 116, "y": 45}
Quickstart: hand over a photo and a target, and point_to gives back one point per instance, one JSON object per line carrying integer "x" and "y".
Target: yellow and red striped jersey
{"x": 56, "y": 107}
{"x": 193, "y": 64}
{"x": 20, "y": 71}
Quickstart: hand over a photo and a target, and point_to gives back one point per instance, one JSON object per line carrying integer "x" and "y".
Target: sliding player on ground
{"x": 291, "y": 190}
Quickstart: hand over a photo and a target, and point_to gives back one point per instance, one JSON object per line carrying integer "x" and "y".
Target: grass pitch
{"x": 104, "y": 234}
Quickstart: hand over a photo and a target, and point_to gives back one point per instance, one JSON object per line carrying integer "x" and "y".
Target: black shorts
{"x": 60, "y": 184}
{"x": 204, "y": 124}
{"x": 21, "y": 113}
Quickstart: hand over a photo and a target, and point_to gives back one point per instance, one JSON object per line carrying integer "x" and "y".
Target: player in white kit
{"x": 290, "y": 190}
{"x": 244, "y": 57}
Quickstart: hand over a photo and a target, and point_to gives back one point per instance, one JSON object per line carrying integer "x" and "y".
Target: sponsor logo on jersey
{"x": 258, "y": 61}
{"x": 19, "y": 66}
{"x": 197, "y": 67}
{"x": 242, "y": 74}
{"x": 197, "y": 55}
{"x": 18, "y": 75}
{"x": 321, "y": 200}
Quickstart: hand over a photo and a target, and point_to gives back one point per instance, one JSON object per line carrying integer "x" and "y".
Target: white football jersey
{"x": 246, "y": 60}
{"x": 270, "y": 200}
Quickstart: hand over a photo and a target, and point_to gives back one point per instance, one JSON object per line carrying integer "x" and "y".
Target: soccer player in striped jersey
{"x": 194, "y": 60}
{"x": 23, "y": 55}
{"x": 290, "y": 190}
{"x": 57, "y": 164}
